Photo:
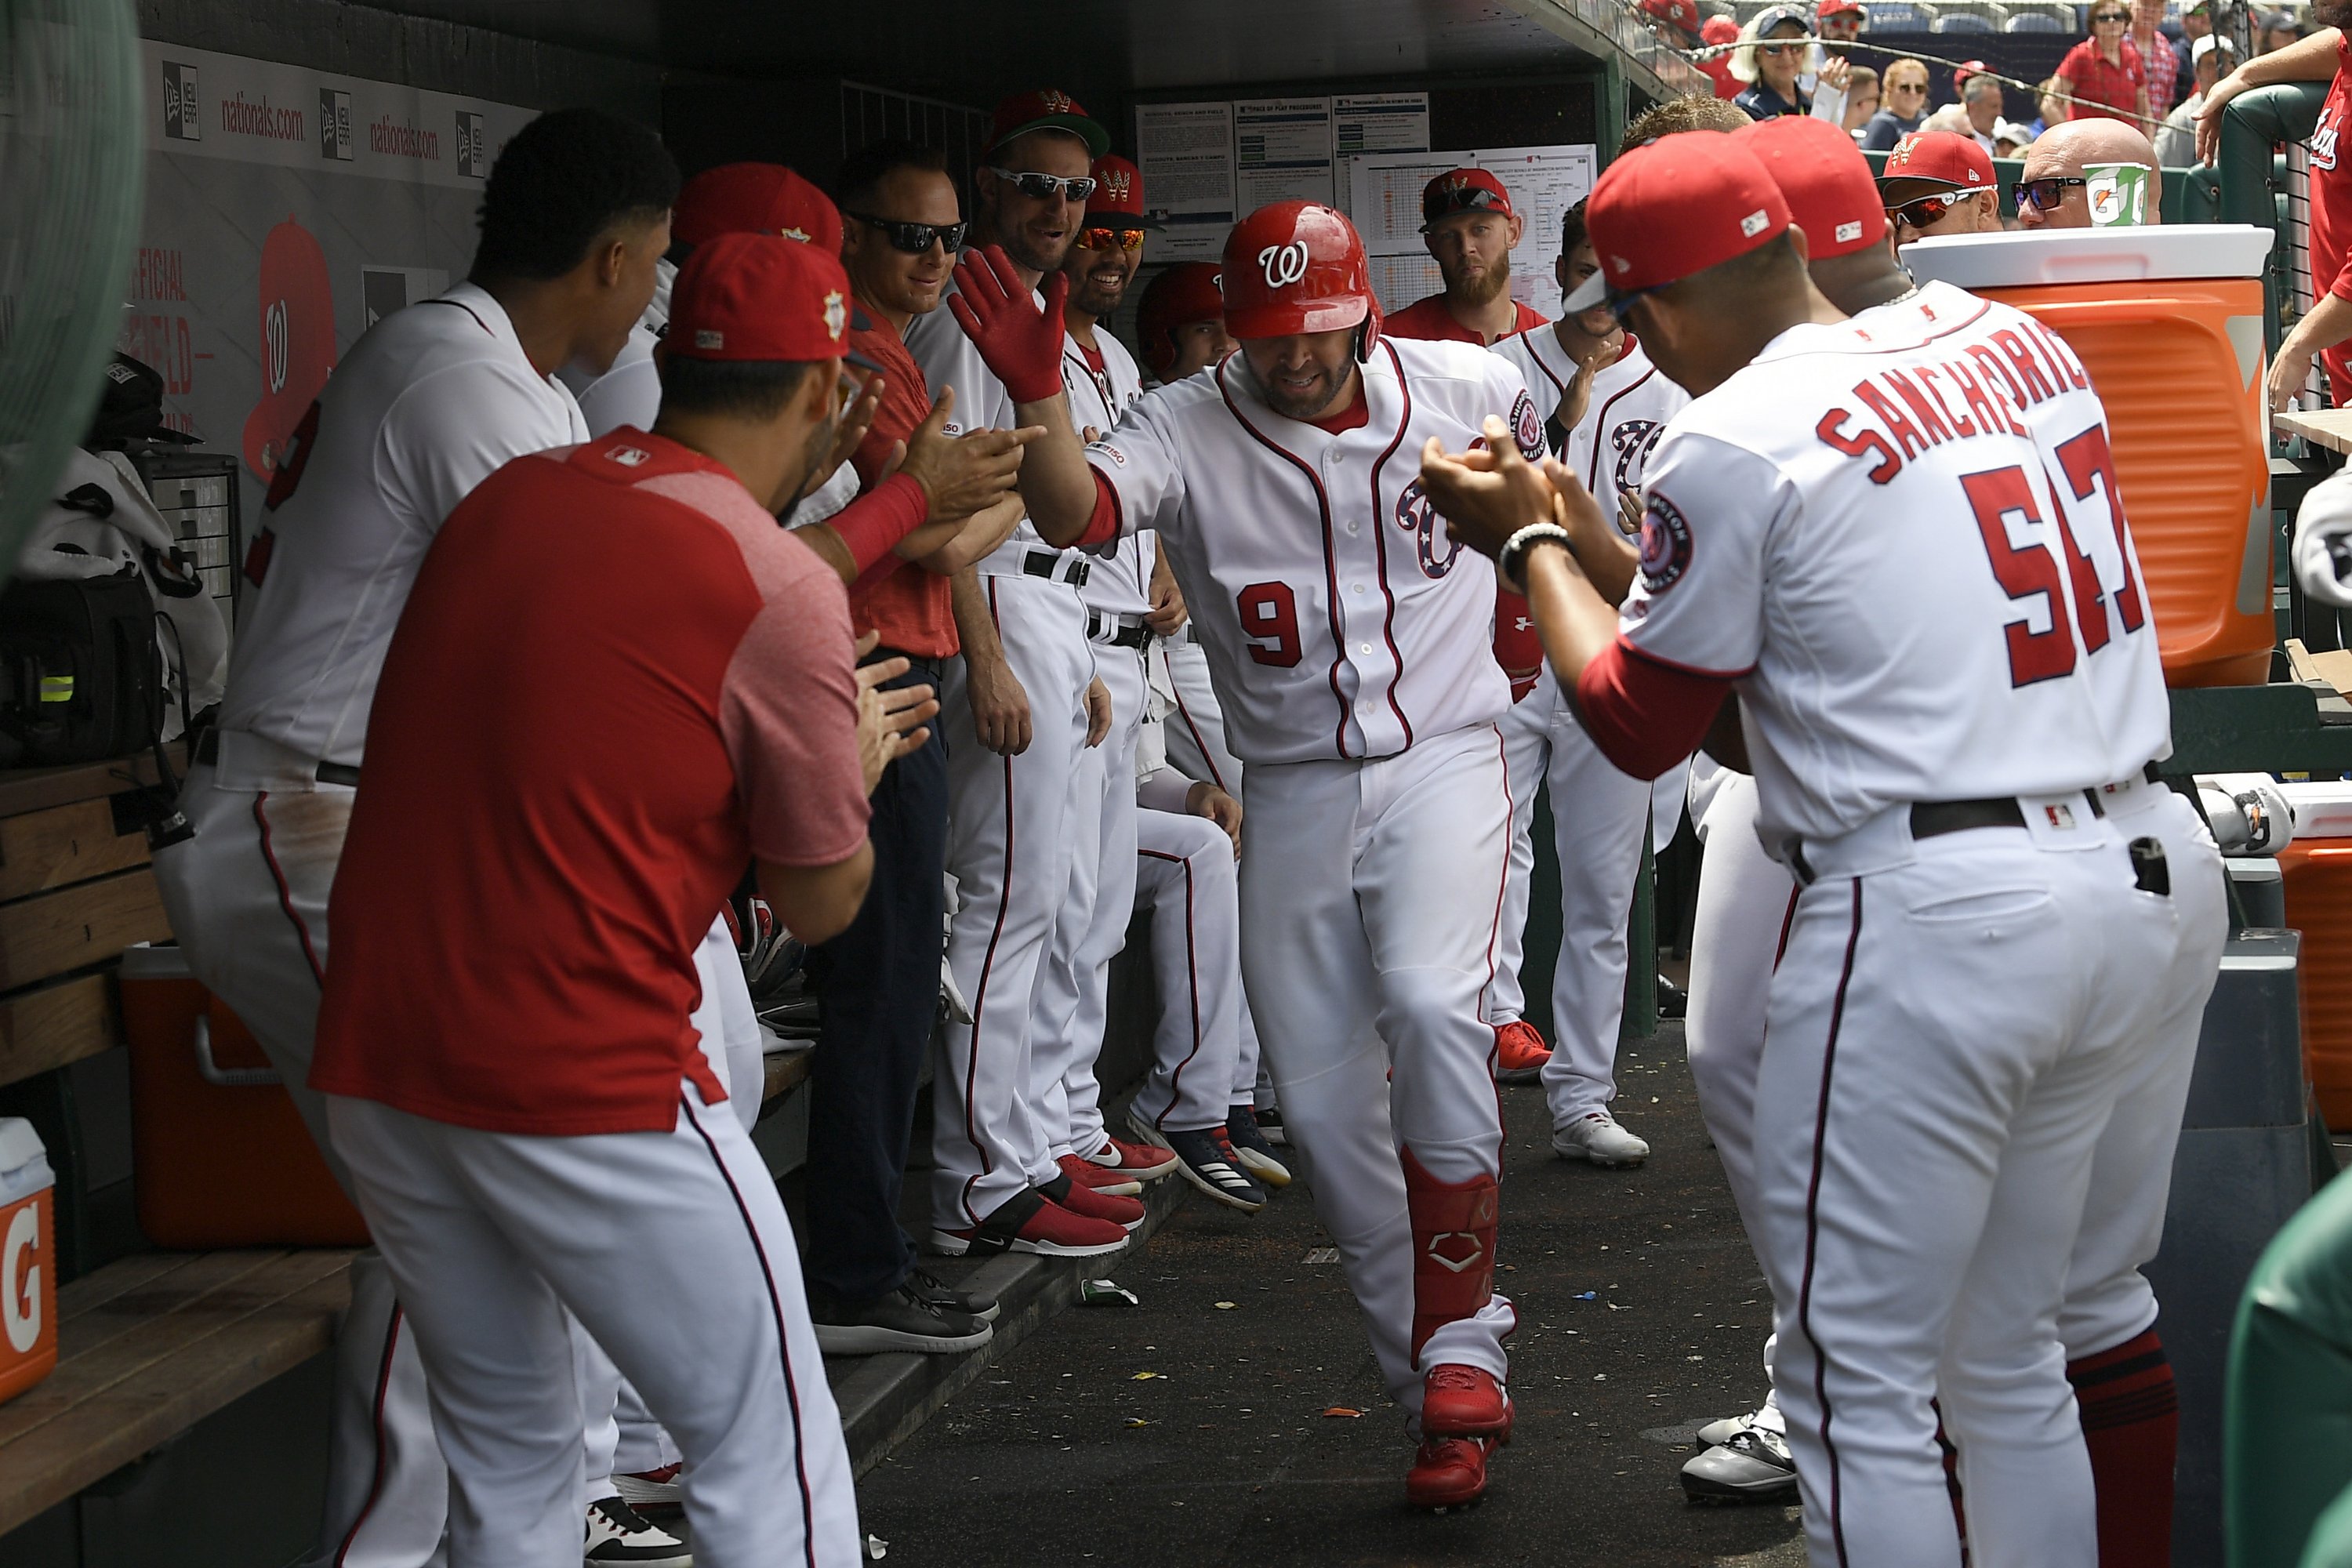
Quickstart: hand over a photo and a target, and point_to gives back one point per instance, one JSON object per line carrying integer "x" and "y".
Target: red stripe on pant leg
{"x": 383, "y": 1386}
{"x": 1192, "y": 974}
{"x": 1812, "y": 1225}
{"x": 286, "y": 891}
{"x": 783, "y": 1341}
{"x": 2131, "y": 1425}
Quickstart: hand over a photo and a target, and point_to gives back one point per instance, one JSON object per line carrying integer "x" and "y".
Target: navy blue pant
{"x": 877, "y": 987}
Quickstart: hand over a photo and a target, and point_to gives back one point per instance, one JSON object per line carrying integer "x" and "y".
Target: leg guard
{"x": 1452, "y": 1247}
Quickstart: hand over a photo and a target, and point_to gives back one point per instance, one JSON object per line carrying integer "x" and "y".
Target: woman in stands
{"x": 1904, "y": 110}
{"x": 1772, "y": 58}
{"x": 2104, "y": 72}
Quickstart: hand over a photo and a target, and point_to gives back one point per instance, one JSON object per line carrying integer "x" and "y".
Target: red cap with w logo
{"x": 1299, "y": 266}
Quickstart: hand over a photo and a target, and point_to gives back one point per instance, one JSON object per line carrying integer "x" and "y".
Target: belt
{"x": 208, "y": 746}
{"x": 1933, "y": 818}
{"x": 1059, "y": 568}
{"x": 1119, "y": 631}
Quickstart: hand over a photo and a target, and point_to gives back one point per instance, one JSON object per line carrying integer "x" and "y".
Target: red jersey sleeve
{"x": 872, "y": 525}
{"x": 1646, "y": 716}
{"x": 788, "y": 709}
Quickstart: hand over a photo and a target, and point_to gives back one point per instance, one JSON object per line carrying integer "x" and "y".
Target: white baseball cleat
{"x": 1595, "y": 1136}
{"x": 618, "y": 1533}
{"x": 1751, "y": 1465}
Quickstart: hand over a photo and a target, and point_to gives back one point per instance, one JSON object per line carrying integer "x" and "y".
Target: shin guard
{"x": 1452, "y": 1247}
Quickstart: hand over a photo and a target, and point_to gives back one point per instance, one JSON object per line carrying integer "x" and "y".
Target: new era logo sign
{"x": 181, "y": 120}
{"x": 334, "y": 125}
{"x": 473, "y": 153}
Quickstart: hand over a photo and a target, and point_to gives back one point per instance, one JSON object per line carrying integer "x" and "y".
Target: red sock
{"x": 2131, "y": 1421}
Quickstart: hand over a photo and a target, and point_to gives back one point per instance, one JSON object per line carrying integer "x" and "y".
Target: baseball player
{"x": 1467, "y": 224}
{"x": 1350, "y": 642}
{"x": 1611, "y": 405}
{"x": 1961, "y": 994}
{"x": 539, "y": 1108}
{"x": 574, "y": 220}
{"x": 1180, "y": 328}
{"x": 2123, "y": 1382}
{"x": 1020, "y": 712}
{"x": 1939, "y": 182}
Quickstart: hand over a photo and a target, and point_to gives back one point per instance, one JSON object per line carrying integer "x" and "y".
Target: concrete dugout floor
{"x": 1061, "y": 1454}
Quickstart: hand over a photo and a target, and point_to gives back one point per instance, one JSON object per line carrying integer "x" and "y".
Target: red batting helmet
{"x": 1176, "y": 297}
{"x": 1299, "y": 266}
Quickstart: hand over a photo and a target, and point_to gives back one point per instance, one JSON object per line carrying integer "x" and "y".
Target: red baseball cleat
{"x": 1141, "y": 1160}
{"x": 1459, "y": 1400}
{"x": 1520, "y": 1052}
{"x": 1027, "y": 1221}
{"x": 1087, "y": 1173}
{"x": 1093, "y": 1203}
{"x": 1447, "y": 1472}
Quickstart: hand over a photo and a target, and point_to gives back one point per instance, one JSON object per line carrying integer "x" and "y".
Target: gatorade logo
{"x": 20, "y": 1280}
{"x": 1284, "y": 264}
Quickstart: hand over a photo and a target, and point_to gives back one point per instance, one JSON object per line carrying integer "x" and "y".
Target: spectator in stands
{"x": 2104, "y": 72}
{"x": 1861, "y": 100}
{"x": 1717, "y": 31}
{"x": 2009, "y": 138}
{"x": 1980, "y": 102}
{"x": 2197, "y": 21}
{"x": 2156, "y": 53}
{"x": 1468, "y": 225}
{"x": 2325, "y": 331}
{"x": 2051, "y": 191}
{"x": 2049, "y": 98}
{"x": 1675, "y": 22}
{"x": 1839, "y": 22}
{"x": 877, "y": 982}
{"x": 1772, "y": 58}
{"x": 1939, "y": 183}
{"x": 1905, "y": 108}
{"x": 2277, "y": 31}
{"x": 2213, "y": 57}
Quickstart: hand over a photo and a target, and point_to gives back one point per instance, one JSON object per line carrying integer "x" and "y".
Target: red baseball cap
{"x": 1825, "y": 180}
{"x": 1048, "y": 108}
{"x": 1683, "y": 14}
{"x": 1965, "y": 69}
{"x": 1679, "y": 205}
{"x": 760, "y": 296}
{"x": 1463, "y": 191}
{"x": 754, "y": 198}
{"x": 1119, "y": 194}
{"x": 296, "y": 294}
{"x": 1945, "y": 156}
{"x": 1719, "y": 30}
{"x": 1839, "y": 8}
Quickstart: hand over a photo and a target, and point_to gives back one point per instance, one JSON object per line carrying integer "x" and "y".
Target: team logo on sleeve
{"x": 1526, "y": 425}
{"x": 1665, "y": 545}
{"x": 1417, "y": 516}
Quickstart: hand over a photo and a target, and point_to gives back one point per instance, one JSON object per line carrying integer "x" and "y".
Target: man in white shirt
{"x": 574, "y": 219}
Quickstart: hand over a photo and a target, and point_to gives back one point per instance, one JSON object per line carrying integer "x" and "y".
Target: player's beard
{"x": 1488, "y": 286}
{"x": 1090, "y": 297}
{"x": 1312, "y": 406}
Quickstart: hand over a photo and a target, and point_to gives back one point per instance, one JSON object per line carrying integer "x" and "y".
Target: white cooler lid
{"x": 2323, "y": 807}
{"x": 2027, "y": 256}
{"x": 24, "y": 1163}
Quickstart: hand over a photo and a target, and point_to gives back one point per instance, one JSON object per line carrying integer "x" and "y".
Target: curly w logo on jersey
{"x": 1632, "y": 443}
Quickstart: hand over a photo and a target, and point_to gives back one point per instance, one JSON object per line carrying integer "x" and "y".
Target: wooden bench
{"x": 151, "y": 1345}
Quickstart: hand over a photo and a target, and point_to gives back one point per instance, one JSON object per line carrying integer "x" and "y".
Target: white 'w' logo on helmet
{"x": 1284, "y": 264}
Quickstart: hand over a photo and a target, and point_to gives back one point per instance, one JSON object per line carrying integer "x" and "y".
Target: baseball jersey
{"x": 1339, "y": 619}
{"x": 2331, "y": 210}
{"x": 426, "y": 405}
{"x": 1628, "y": 411}
{"x": 1119, "y": 584}
{"x": 2112, "y": 616}
{"x": 948, "y": 358}
{"x": 1860, "y": 534}
{"x": 521, "y": 894}
{"x": 1430, "y": 320}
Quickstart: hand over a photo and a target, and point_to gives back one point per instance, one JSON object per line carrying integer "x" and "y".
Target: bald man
{"x": 2061, "y": 152}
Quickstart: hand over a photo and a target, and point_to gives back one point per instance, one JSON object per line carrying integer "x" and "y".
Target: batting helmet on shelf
{"x": 1176, "y": 297}
{"x": 1299, "y": 266}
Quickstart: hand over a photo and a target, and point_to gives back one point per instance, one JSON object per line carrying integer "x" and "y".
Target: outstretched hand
{"x": 1020, "y": 342}
{"x": 1488, "y": 494}
{"x": 890, "y": 719}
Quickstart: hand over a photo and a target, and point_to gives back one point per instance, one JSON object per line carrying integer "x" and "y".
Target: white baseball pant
{"x": 1009, "y": 848}
{"x": 1950, "y": 1024}
{"x": 247, "y": 901}
{"x": 1185, "y": 872}
{"x": 493, "y": 1238}
{"x": 1370, "y": 892}
{"x": 1074, "y": 993}
{"x": 1599, "y": 817}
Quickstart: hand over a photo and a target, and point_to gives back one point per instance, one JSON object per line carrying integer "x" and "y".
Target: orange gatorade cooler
{"x": 221, "y": 1157}
{"x": 2168, "y": 321}
{"x": 2317, "y": 870}
{"x": 29, "y": 1259}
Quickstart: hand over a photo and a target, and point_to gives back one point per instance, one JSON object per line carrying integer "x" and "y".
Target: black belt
{"x": 1045, "y": 563}
{"x": 1933, "y": 818}
{"x": 1138, "y": 636}
{"x": 344, "y": 774}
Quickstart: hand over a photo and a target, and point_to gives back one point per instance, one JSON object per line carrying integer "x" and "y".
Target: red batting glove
{"x": 1021, "y": 345}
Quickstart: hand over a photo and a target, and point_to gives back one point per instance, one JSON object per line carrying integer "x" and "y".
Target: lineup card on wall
{"x": 1385, "y": 205}
{"x": 1186, "y": 154}
{"x": 1282, "y": 152}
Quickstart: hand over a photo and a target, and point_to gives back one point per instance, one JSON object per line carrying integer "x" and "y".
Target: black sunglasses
{"x": 2112, "y": 17}
{"x": 916, "y": 239}
{"x": 2044, "y": 195}
{"x": 1042, "y": 187}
